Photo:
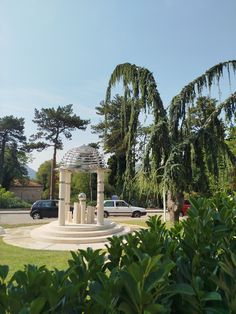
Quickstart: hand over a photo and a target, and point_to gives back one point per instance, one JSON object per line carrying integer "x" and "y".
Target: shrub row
{"x": 190, "y": 268}
{"x": 8, "y": 200}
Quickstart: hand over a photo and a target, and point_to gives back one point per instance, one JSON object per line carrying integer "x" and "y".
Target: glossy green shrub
{"x": 208, "y": 236}
{"x": 190, "y": 268}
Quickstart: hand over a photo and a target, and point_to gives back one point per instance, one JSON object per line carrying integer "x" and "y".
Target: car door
{"x": 109, "y": 207}
{"x": 54, "y": 209}
{"x": 49, "y": 208}
{"x": 44, "y": 207}
{"x": 122, "y": 208}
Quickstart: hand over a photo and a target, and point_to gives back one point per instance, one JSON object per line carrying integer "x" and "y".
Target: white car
{"x": 121, "y": 208}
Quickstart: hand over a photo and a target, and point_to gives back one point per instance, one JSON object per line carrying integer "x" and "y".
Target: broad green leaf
{"x": 37, "y": 305}
{"x": 212, "y": 296}
{"x": 132, "y": 289}
{"x": 217, "y": 310}
{"x": 221, "y": 228}
{"x": 155, "y": 308}
{"x": 126, "y": 308}
{"x": 25, "y": 310}
{"x": 227, "y": 268}
{"x": 233, "y": 257}
{"x": 181, "y": 288}
{"x": 4, "y": 269}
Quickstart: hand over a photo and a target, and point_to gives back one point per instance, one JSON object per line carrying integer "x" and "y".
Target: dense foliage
{"x": 121, "y": 126}
{"x": 112, "y": 132}
{"x": 185, "y": 147}
{"x": 83, "y": 182}
{"x": 187, "y": 269}
{"x": 8, "y": 200}
{"x": 12, "y": 150}
{"x": 80, "y": 182}
{"x": 52, "y": 124}
{"x": 43, "y": 176}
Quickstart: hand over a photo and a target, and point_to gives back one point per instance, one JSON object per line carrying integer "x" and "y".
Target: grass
{"x": 8, "y": 226}
{"x": 17, "y": 257}
{"x": 133, "y": 221}
{"x": 140, "y": 222}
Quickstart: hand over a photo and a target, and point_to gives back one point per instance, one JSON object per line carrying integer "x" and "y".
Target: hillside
{"x": 31, "y": 172}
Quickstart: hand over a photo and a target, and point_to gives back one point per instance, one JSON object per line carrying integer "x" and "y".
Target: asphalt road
{"x": 23, "y": 217}
{"x": 20, "y": 218}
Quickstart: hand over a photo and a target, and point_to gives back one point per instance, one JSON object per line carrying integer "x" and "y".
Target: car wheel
{"x": 136, "y": 214}
{"x": 106, "y": 214}
{"x": 36, "y": 216}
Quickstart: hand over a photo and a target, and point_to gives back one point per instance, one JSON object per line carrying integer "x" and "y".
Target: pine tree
{"x": 52, "y": 124}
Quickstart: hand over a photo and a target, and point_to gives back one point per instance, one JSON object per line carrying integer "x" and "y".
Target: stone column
{"x": 82, "y": 200}
{"x": 67, "y": 197}
{"x": 62, "y": 190}
{"x": 100, "y": 196}
{"x": 76, "y": 213}
{"x": 90, "y": 214}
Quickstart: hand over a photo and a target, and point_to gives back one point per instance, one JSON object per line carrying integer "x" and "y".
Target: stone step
{"x": 82, "y": 227}
{"x": 76, "y": 240}
{"x": 78, "y": 234}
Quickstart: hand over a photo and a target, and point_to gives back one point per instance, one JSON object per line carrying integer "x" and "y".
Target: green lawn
{"x": 133, "y": 221}
{"x": 139, "y": 222}
{"x": 17, "y": 257}
{"x": 7, "y": 226}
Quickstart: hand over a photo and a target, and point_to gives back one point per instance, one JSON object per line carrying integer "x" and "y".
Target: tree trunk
{"x": 175, "y": 204}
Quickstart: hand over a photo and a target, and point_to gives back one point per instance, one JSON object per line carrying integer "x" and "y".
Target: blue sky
{"x": 58, "y": 52}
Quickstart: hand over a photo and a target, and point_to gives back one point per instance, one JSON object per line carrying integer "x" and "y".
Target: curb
{"x": 14, "y": 212}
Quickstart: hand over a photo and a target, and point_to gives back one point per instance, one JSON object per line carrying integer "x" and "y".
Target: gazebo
{"x": 80, "y": 159}
{"x": 83, "y": 227}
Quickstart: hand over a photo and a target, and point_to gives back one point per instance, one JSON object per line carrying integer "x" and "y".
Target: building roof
{"x": 26, "y": 183}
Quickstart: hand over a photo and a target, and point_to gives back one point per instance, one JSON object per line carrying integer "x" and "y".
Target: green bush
{"x": 8, "y": 200}
{"x": 190, "y": 268}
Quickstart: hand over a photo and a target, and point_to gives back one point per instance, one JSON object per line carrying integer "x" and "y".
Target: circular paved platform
{"x": 21, "y": 237}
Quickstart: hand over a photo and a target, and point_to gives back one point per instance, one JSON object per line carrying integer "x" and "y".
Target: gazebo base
{"x": 78, "y": 233}
{"x": 2, "y": 231}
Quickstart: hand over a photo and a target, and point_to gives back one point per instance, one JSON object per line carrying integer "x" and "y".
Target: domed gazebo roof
{"x": 83, "y": 159}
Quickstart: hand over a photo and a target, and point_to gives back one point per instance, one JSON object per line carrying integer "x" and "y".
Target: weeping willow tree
{"x": 140, "y": 96}
{"x": 198, "y": 146}
{"x": 178, "y": 145}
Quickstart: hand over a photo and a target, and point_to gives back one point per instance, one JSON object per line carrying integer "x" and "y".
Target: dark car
{"x": 44, "y": 208}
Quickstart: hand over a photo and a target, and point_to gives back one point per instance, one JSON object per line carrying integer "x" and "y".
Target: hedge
{"x": 190, "y": 268}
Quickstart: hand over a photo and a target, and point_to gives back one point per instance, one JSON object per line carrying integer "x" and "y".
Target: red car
{"x": 185, "y": 208}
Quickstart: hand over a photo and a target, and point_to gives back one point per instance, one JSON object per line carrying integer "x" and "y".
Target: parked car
{"x": 185, "y": 208}
{"x": 45, "y": 208}
{"x": 121, "y": 208}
